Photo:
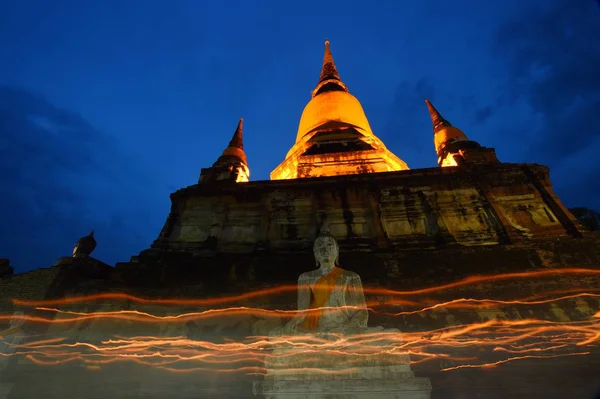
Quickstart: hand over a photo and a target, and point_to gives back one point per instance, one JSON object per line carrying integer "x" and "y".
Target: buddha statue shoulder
{"x": 330, "y": 299}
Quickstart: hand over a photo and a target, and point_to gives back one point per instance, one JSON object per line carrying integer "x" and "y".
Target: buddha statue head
{"x": 326, "y": 249}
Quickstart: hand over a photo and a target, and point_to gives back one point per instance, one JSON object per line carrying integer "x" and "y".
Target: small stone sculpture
{"x": 85, "y": 246}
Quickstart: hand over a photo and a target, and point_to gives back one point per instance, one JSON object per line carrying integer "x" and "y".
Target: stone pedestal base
{"x": 340, "y": 373}
{"x": 405, "y": 388}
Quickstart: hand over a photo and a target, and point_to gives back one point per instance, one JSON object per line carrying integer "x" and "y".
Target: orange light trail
{"x": 510, "y": 359}
{"x": 528, "y": 338}
{"x": 139, "y": 316}
{"x": 494, "y": 336}
{"x": 466, "y": 303}
{"x": 530, "y": 350}
{"x": 560, "y": 292}
{"x": 293, "y": 288}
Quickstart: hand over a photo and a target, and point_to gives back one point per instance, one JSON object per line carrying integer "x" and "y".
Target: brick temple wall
{"x": 424, "y": 208}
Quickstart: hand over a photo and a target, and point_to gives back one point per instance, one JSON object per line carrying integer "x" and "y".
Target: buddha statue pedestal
{"x": 325, "y": 366}
{"x": 328, "y": 351}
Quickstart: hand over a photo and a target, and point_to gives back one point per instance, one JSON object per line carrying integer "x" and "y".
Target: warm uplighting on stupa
{"x": 449, "y": 161}
{"x": 453, "y": 147}
{"x": 444, "y": 135}
{"x": 334, "y": 136}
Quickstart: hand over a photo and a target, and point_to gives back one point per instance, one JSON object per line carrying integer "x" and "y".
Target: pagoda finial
{"x": 329, "y": 71}
{"x": 328, "y": 58}
{"x": 330, "y": 78}
{"x": 237, "y": 139}
{"x": 437, "y": 119}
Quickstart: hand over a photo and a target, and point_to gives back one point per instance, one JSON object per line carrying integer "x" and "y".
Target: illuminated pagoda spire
{"x": 452, "y": 145}
{"x": 232, "y": 165}
{"x": 334, "y": 136}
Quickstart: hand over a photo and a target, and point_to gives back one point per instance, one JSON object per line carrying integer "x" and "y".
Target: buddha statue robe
{"x": 330, "y": 302}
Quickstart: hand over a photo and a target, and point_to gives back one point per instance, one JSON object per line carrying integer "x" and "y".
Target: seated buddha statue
{"x": 327, "y": 335}
{"x": 330, "y": 299}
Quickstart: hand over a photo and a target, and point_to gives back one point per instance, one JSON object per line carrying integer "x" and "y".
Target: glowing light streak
{"x": 315, "y": 370}
{"x": 54, "y": 362}
{"x": 343, "y": 349}
{"x": 550, "y": 293}
{"x": 252, "y": 370}
{"x": 179, "y": 354}
{"x": 510, "y": 359}
{"x": 136, "y": 315}
{"x": 536, "y": 349}
{"x": 179, "y": 302}
{"x": 139, "y": 316}
{"x": 293, "y": 288}
{"x": 41, "y": 342}
{"x": 464, "y": 303}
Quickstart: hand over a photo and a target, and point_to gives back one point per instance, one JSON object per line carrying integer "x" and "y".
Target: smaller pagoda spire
{"x": 232, "y": 164}
{"x": 452, "y": 145}
{"x": 235, "y": 148}
{"x": 330, "y": 78}
{"x": 437, "y": 119}
{"x": 237, "y": 139}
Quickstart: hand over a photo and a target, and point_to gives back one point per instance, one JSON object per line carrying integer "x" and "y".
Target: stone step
{"x": 356, "y": 388}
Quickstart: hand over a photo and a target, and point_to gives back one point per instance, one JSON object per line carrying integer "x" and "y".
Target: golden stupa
{"x": 334, "y": 136}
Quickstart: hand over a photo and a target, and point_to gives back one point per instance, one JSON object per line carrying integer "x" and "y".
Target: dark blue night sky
{"x": 106, "y": 107}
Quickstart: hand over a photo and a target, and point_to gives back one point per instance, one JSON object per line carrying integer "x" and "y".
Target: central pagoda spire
{"x": 334, "y": 136}
{"x": 330, "y": 78}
